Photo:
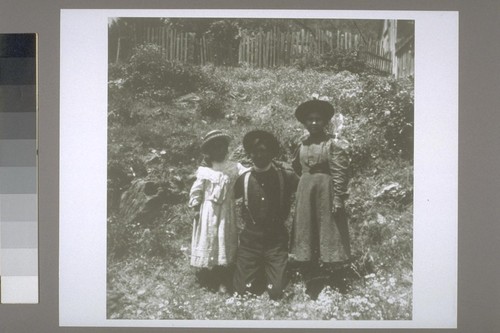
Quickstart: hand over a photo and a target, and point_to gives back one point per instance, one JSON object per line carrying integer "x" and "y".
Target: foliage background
{"x": 157, "y": 113}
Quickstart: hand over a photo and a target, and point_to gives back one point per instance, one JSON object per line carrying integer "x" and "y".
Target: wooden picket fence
{"x": 405, "y": 57}
{"x": 174, "y": 45}
{"x": 265, "y": 49}
{"x": 275, "y": 48}
{"x": 376, "y": 57}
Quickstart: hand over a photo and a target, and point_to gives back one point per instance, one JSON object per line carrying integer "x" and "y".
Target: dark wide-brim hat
{"x": 255, "y": 137}
{"x": 213, "y": 137}
{"x": 323, "y": 107}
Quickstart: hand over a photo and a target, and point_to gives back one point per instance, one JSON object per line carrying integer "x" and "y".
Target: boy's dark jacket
{"x": 264, "y": 199}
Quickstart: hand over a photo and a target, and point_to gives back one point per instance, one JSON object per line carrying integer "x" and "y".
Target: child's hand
{"x": 336, "y": 208}
{"x": 196, "y": 212}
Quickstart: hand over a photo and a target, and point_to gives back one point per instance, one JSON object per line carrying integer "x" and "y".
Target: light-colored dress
{"x": 215, "y": 235}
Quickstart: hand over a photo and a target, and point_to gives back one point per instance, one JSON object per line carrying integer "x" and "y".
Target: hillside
{"x": 158, "y": 112}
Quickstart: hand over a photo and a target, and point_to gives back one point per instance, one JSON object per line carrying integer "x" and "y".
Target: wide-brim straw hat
{"x": 324, "y": 107}
{"x": 214, "y": 136}
{"x": 260, "y": 136}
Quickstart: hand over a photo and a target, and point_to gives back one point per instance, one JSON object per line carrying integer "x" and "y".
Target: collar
{"x": 259, "y": 170}
{"x": 218, "y": 165}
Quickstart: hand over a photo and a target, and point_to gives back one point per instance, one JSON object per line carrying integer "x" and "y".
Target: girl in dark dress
{"x": 320, "y": 235}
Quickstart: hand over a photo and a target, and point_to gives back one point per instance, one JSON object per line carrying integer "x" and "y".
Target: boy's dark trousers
{"x": 260, "y": 255}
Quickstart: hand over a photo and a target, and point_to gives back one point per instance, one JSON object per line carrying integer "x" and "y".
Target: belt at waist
{"x": 318, "y": 169}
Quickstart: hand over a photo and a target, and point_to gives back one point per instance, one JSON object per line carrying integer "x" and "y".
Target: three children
{"x": 258, "y": 247}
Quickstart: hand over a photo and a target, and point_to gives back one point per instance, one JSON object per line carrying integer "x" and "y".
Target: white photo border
{"x": 83, "y": 161}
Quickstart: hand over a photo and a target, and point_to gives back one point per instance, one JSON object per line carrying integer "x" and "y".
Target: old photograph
{"x": 260, "y": 168}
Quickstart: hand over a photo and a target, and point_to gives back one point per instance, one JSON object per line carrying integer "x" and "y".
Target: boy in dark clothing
{"x": 266, "y": 190}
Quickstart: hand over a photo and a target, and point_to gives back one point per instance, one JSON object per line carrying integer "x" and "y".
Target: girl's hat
{"x": 255, "y": 137}
{"x": 213, "y": 136}
{"x": 324, "y": 107}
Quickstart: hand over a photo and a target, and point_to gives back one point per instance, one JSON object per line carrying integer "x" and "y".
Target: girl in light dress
{"x": 215, "y": 234}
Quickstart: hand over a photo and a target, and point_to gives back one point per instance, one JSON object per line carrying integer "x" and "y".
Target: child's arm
{"x": 339, "y": 166}
{"x": 296, "y": 162}
{"x": 238, "y": 188}
{"x": 196, "y": 194}
{"x": 291, "y": 178}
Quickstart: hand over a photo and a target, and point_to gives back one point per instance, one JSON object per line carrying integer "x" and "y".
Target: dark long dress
{"x": 318, "y": 234}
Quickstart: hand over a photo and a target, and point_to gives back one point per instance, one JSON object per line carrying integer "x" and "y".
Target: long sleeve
{"x": 196, "y": 193}
{"x": 291, "y": 180}
{"x": 238, "y": 188}
{"x": 296, "y": 161}
{"x": 339, "y": 169}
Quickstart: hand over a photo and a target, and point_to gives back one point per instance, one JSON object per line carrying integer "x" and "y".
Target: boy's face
{"x": 261, "y": 155}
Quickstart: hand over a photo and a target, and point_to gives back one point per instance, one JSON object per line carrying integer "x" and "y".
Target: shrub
{"x": 333, "y": 61}
{"x": 163, "y": 239}
{"x": 342, "y": 60}
{"x": 389, "y": 102}
{"x": 212, "y": 105}
{"x": 149, "y": 75}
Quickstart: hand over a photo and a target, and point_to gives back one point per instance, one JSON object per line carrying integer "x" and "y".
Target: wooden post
{"x": 259, "y": 56}
{"x": 178, "y": 46}
{"x": 276, "y": 46}
{"x": 321, "y": 46}
{"x": 184, "y": 38}
{"x": 163, "y": 38}
{"x": 273, "y": 47}
{"x": 118, "y": 47}
{"x": 264, "y": 49}
{"x": 261, "y": 49}
{"x": 201, "y": 51}
{"x": 174, "y": 45}
{"x": 241, "y": 50}
{"x": 169, "y": 44}
{"x": 257, "y": 48}
{"x": 286, "y": 48}
{"x": 181, "y": 47}
{"x": 281, "y": 51}
{"x": 269, "y": 54}
{"x": 249, "y": 51}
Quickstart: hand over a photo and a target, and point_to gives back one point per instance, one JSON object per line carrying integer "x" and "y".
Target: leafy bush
{"x": 336, "y": 61}
{"x": 378, "y": 111}
{"x": 149, "y": 75}
{"x": 212, "y": 105}
{"x": 391, "y": 103}
{"x": 162, "y": 239}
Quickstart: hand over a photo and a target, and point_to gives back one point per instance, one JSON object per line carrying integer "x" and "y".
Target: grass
{"x": 148, "y": 272}
{"x": 152, "y": 289}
